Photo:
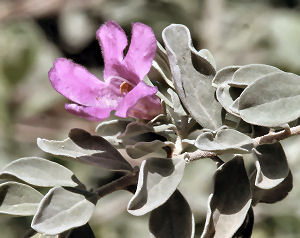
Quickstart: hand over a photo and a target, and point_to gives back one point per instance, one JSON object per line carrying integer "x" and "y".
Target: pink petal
{"x": 140, "y": 91}
{"x": 90, "y": 113}
{"x": 146, "y": 108}
{"x": 75, "y": 82}
{"x": 141, "y": 51}
{"x": 113, "y": 41}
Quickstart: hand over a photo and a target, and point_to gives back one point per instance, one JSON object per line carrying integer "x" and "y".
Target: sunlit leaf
{"x": 40, "y": 172}
{"x": 223, "y": 76}
{"x": 247, "y": 74}
{"x": 193, "y": 86}
{"x": 272, "y": 100}
{"x": 83, "y": 147}
{"x": 62, "y": 209}
{"x": 18, "y": 199}
{"x": 230, "y": 201}
{"x": 225, "y": 141}
{"x": 158, "y": 179}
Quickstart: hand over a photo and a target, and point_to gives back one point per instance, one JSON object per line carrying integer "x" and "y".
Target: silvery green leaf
{"x": 39, "y": 235}
{"x": 245, "y": 230}
{"x": 83, "y": 147}
{"x": 271, "y": 101}
{"x": 173, "y": 219}
{"x": 272, "y": 179}
{"x": 158, "y": 179}
{"x": 271, "y": 195}
{"x": 178, "y": 108}
{"x": 224, "y": 141}
{"x": 193, "y": 87}
{"x": 272, "y": 166}
{"x": 40, "y": 172}
{"x": 230, "y": 201}
{"x": 137, "y": 132}
{"x": 62, "y": 209}
{"x": 247, "y": 74}
{"x": 18, "y": 199}
{"x": 206, "y": 54}
{"x": 227, "y": 97}
{"x": 150, "y": 149}
{"x": 161, "y": 65}
{"x": 223, "y": 76}
{"x": 110, "y": 130}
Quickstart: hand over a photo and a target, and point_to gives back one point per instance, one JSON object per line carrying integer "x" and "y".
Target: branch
{"x": 118, "y": 184}
{"x": 269, "y": 138}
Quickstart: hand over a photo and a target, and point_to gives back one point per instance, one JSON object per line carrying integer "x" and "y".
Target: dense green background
{"x": 33, "y": 33}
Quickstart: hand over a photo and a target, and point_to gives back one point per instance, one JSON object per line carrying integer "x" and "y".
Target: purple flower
{"x": 123, "y": 89}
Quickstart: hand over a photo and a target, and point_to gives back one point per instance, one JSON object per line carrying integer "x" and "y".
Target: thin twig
{"x": 269, "y": 138}
{"x": 118, "y": 184}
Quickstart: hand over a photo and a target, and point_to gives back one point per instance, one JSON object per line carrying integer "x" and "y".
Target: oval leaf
{"x": 18, "y": 199}
{"x": 173, "y": 219}
{"x": 224, "y": 141}
{"x": 87, "y": 149}
{"x": 62, "y": 209}
{"x": 40, "y": 172}
{"x": 154, "y": 148}
{"x": 193, "y": 87}
{"x": 272, "y": 100}
{"x": 158, "y": 179}
{"x": 223, "y": 76}
{"x": 272, "y": 166}
{"x": 249, "y": 73}
{"x": 230, "y": 202}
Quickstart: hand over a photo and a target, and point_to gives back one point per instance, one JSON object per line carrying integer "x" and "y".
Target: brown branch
{"x": 118, "y": 184}
{"x": 269, "y": 138}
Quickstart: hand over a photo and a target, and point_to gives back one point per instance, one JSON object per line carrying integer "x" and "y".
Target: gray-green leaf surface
{"x": 19, "y": 199}
{"x": 230, "y": 202}
{"x": 158, "y": 179}
{"x": 271, "y": 101}
{"x": 193, "y": 87}
{"x": 62, "y": 209}
{"x": 40, "y": 172}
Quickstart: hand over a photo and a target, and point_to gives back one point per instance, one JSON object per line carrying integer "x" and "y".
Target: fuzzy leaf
{"x": 223, "y": 76}
{"x": 272, "y": 100}
{"x": 272, "y": 179}
{"x": 228, "y": 97}
{"x": 83, "y": 147}
{"x": 193, "y": 87}
{"x": 18, "y": 199}
{"x": 272, "y": 166}
{"x": 110, "y": 130}
{"x": 206, "y": 54}
{"x": 62, "y": 209}
{"x": 158, "y": 179}
{"x": 151, "y": 149}
{"x": 230, "y": 202}
{"x": 247, "y": 74}
{"x": 173, "y": 219}
{"x": 272, "y": 195}
{"x": 224, "y": 141}
{"x": 40, "y": 172}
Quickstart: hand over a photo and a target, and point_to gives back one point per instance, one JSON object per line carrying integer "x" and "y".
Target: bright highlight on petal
{"x": 123, "y": 89}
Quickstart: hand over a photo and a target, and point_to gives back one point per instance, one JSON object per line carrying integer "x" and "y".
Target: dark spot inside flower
{"x": 125, "y": 88}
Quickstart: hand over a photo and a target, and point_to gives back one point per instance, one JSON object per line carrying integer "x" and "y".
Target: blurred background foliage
{"x": 33, "y": 33}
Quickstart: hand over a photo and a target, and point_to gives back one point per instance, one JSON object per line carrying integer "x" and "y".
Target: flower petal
{"x": 141, "y": 51}
{"x": 146, "y": 108}
{"x": 74, "y": 82}
{"x": 90, "y": 113}
{"x": 140, "y": 91}
{"x": 113, "y": 41}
